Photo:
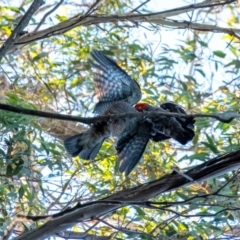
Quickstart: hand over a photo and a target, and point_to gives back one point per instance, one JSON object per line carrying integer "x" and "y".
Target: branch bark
{"x": 134, "y": 196}
{"x": 158, "y": 18}
{"x": 225, "y": 117}
{"x": 79, "y": 235}
{"x": 21, "y": 25}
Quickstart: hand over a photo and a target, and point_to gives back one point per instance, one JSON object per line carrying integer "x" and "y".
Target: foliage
{"x": 39, "y": 178}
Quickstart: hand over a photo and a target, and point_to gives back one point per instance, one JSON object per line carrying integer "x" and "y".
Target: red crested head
{"x": 140, "y": 107}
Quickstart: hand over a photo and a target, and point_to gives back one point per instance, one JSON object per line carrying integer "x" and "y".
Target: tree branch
{"x": 21, "y": 25}
{"x": 142, "y": 4}
{"x": 47, "y": 14}
{"x": 133, "y": 196}
{"x": 126, "y": 230}
{"x": 158, "y": 18}
{"x": 225, "y": 117}
{"x": 79, "y": 235}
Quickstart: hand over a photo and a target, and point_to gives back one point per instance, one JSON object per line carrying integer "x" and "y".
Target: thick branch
{"x": 225, "y": 117}
{"x": 21, "y": 25}
{"x": 158, "y": 18}
{"x": 133, "y": 196}
{"x": 79, "y": 235}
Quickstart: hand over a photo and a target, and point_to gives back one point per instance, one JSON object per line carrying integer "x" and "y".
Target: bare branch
{"x": 135, "y": 9}
{"x": 91, "y": 9}
{"x": 225, "y": 117}
{"x": 158, "y": 18}
{"x": 47, "y": 14}
{"x": 203, "y": 215}
{"x": 126, "y": 230}
{"x": 21, "y": 25}
{"x": 133, "y": 196}
{"x": 79, "y": 235}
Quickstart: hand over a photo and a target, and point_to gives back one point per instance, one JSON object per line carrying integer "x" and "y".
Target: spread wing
{"x": 181, "y": 129}
{"x": 131, "y": 146}
{"x": 163, "y": 128}
{"x": 112, "y": 83}
{"x": 175, "y": 108}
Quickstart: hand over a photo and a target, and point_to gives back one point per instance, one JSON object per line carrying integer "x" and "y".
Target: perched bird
{"x": 113, "y": 84}
{"x": 117, "y": 92}
{"x": 132, "y": 136}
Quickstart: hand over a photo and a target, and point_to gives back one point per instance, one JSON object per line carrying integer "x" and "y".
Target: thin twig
{"x": 135, "y": 9}
{"x": 126, "y": 230}
{"x": 92, "y": 8}
{"x": 47, "y": 14}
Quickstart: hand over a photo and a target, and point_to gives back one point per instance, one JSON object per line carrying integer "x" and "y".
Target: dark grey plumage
{"x": 132, "y": 144}
{"x": 166, "y": 127}
{"x": 87, "y": 144}
{"x": 113, "y": 84}
{"x": 117, "y": 92}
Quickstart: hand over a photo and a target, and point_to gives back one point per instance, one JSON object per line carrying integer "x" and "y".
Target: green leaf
{"x": 139, "y": 211}
{"x": 236, "y": 64}
{"x": 190, "y": 78}
{"x": 41, "y": 55}
{"x": 211, "y": 147}
{"x": 203, "y": 44}
{"x": 219, "y": 54}
{"x": 21, "y": 191}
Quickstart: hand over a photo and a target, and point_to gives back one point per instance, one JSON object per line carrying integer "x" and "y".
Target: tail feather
{"x": 78, "y": 146}
{"x": 91, "y": 153}
{"x": 131, "y": 154}
{"x": 180, "y": 133}
{"x": 131, "y": 148}
{"x": 175, "y": 108}
{"x": 159, "y": 137}
{"x": 184, "y": 136}
{"x": 72, "y": 145}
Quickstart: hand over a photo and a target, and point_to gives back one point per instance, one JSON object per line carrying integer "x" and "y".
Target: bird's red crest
{"x": 140, "y": 107}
